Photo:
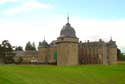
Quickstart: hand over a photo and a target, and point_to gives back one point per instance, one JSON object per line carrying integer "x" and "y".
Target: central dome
{"x": 68, "y": 31}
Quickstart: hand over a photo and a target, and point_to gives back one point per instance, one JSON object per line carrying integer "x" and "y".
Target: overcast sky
{"x": 30, "y": 20}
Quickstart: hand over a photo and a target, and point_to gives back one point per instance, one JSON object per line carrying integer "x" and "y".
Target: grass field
{"x": 46, "y": 74}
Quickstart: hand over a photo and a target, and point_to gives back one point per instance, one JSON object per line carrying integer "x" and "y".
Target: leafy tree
{"x": 6, "y": 52}
{"x": 19, "y": 48}
{"x": 34, "y": 46}
{"x": 30, "y": 46}
{"x": 119, "y": 54}
{"x": 1, "y": 54}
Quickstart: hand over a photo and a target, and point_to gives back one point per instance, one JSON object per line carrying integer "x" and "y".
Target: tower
{"x": 112, "y": 52}
{"x": 43, "y": 52}
{"x": 67, "y": 46}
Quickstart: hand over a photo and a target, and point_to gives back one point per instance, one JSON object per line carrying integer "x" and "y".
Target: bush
{"x": 18, "y": 60}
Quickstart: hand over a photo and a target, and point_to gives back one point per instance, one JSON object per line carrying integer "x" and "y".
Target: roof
{"x": 26, "y": 53}
{"x": 43, "y": 44}
{"x": 68, "y": 30}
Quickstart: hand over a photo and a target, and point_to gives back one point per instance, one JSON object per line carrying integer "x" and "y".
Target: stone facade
{"x": 98, "y": 52}
{"x": 67, "y": 51}
{"x": 46, "y": 52}
{"x": 28, "y": 56}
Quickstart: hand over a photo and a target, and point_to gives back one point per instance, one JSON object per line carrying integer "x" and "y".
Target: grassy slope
{"x": 41, "y": 74}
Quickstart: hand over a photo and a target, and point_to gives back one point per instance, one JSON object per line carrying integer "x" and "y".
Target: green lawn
{"x": 45, "y": 74}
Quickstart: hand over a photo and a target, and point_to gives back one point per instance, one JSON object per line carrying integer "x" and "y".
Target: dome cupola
{"x": 68, "y": 30}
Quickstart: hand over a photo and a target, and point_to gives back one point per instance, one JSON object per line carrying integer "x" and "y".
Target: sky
{"x": 32, "y": 20}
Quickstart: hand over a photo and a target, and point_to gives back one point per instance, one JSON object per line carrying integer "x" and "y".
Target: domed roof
{"x": 43, "y": 44}
{"x": 68, "y": 30}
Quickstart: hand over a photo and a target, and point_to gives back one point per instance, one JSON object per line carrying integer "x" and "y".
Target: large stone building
{"x": 67, "y": 50}
{"x": 98, "y": 52}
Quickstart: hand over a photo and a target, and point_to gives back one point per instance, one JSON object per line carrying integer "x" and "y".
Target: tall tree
{"x": 30, "y": 46}
{"x": 119, "y": 54}
{"x": 19, "y": 48}
{"x": 7, "y": 53}
{"x": 34, "y": 46}
{"x": 1, "y": 54}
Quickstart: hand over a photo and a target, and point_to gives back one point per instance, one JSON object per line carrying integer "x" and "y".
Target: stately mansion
{"x": 68, "y": 50}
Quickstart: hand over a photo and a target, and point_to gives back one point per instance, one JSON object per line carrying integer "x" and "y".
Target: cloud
{"x": 27, "y": 6}
{"x": 7, "y": 1}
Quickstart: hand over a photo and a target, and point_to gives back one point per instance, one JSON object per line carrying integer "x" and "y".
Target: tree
{"x": 34, "y": 46}
{"x": 7, "y": 54}
{"x": 1, "y": 54}
{"x": 30, "y": 46}
{"x": 19, "y": 48}
{"x": 119, "y": 54}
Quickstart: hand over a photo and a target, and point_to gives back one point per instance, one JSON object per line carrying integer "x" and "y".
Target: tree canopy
{"x": 30, "y": 46}
{"x": 19, "y": 48}
{"x": 6, "y": 52}
{"x": 120, "y": 54}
